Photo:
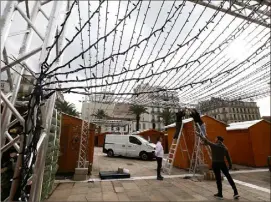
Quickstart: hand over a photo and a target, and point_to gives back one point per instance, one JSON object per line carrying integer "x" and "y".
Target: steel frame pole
{"x": 35, "y": 193}
{"x": 235, "y": 13}
{"x": 6, "y": 20}
{"x": 10, "y": 144}
{"x": 23, "y": 57}
{"x": 6, "y": 115}
{"x": 30, "y": 24}
{"x": 12, "y": 108}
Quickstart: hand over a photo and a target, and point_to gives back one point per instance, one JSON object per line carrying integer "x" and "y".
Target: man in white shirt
{"x": 159, "y": 153}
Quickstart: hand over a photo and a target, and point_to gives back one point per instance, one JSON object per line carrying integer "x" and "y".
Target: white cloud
{"x": 264, "y": 105}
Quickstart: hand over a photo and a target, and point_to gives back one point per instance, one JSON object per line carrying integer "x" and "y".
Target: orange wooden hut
{"x": 70, "y": 143}
{"x": 152, "y": 136}
{"x": 249, "y": 142}
{"x": 213, "y": 127}
{"x": 100, "y": 139}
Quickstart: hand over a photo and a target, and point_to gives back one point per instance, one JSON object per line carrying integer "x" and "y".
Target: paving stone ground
{"x": 136, "y": 166}
{"x": 170, "y": 189}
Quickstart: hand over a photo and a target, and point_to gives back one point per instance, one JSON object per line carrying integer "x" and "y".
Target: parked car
{"x": 128, "y": 145}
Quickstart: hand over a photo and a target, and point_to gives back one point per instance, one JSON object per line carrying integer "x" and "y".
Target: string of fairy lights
{"x": 177, "y": 47}
{"x": 226, "y": 42}
{"x": 188, "y": 64}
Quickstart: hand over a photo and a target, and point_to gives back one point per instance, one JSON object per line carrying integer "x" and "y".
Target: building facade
{"x": 230, "y": 111}
{"x": 156, "y": 100}
{"x": 155, "y": 103}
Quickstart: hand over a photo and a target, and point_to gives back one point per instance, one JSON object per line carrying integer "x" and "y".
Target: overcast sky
{"x": 186, "y": 26}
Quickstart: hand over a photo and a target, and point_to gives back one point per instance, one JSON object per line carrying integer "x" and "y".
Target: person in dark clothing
{"x": 179, "y": 118}
{"x": 196, "y": 116}
{"x": 219, "y": 151}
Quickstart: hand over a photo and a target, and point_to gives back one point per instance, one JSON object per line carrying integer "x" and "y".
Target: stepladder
{"x": 198, "y": 158}
{"x": 169, "y": 161}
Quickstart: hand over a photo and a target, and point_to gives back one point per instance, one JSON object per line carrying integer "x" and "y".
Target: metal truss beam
{"x": 5, "y": 56}
{"x": 10, "y": 144}
{"x": 60, "y": 8}
{"x": 23, "y": 57}
{"x": 6, "y": 20}
{"x": 234, "y": 11}
{"x": 12, "y": 108}
{"x": 30, "y": 23}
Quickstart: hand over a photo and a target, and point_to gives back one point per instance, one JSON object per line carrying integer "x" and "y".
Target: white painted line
{"x": 142, "y": 178}
{"x": 165, "y": 176}
{"x": 252, "y": 186}
{"x": 249, "y": 171}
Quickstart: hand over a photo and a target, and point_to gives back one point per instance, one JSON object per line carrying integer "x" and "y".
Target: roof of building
{"x": 149, "y": 130}
{"x": 242, "y": 125}
{"x": 191, "y": 119}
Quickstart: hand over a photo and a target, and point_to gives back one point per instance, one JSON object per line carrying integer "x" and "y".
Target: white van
{"x": 128, "y": 145}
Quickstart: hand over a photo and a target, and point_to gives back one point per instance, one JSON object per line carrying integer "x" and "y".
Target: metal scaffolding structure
{"x": 237, "y": 9}
{"x": 55, "y": 19}
{"x": 26, "y": 51}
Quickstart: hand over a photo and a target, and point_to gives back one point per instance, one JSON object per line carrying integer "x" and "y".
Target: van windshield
{"x": 143, "y": 140}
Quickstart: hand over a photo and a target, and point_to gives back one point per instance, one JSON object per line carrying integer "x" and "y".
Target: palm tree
{"x": 100, "y": 114}
{"x": 66, "y": 107}
{"x": 137, "y": 110}
{"x": 167, "y": 116}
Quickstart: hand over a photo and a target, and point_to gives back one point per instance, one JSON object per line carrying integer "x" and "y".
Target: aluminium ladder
{"x": 198, "y": 155}
{"x": 172, "y": 153}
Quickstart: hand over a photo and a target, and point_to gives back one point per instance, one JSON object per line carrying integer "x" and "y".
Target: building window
{"x": 144, "y": 126}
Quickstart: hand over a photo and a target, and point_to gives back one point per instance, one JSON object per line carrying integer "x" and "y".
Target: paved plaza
{"x": 171, "y": 189}
{"x": 253, "y": 185}
{"x": 136, "y": 167}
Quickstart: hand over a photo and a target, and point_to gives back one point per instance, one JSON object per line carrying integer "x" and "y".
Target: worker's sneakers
{"x": 236, "y": 196}
{"x": 219, "y": 196}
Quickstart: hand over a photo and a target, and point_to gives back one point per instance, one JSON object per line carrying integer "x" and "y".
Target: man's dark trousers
{"x": 221, "y": 166}
{"x": 159, "y": 166}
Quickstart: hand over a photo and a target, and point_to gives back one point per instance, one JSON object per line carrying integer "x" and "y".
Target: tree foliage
{"x": 137, "y": 110}
{"x": 167, "y": 115}
{"x": 100, "y": 114}
{"x": 67, "y": 108}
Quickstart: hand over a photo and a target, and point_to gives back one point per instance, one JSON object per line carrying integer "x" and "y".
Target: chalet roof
{"x": 191, "y": 119}
{"x": 242, "y": 125}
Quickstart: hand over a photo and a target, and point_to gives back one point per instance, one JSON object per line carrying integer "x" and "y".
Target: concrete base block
{"x": 203, "y": 168}
{"x": 80, "y": 174}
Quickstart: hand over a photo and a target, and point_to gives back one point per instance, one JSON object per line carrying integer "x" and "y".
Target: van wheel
{"x": 110, "y": 153}
{"x": 144, "y": 156}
